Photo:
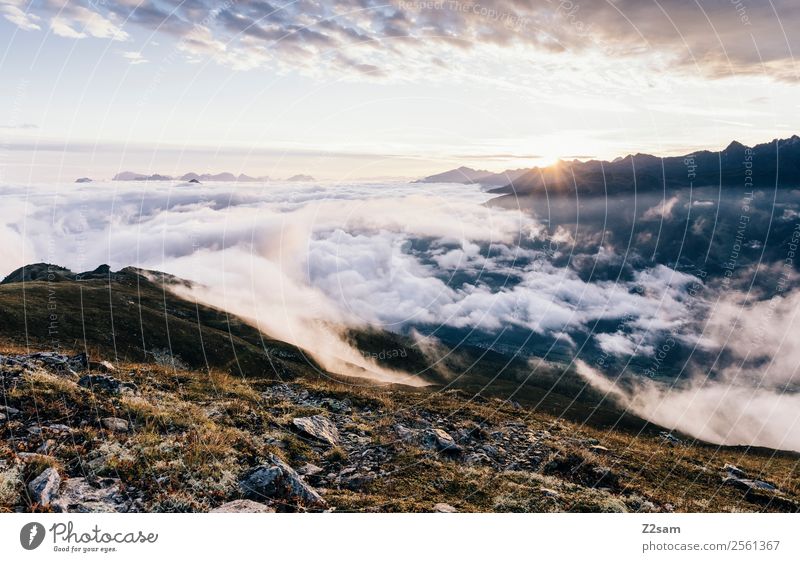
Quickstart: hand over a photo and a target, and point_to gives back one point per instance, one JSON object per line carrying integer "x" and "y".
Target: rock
{"x": 749, "y": 485}
{"x": 598, "y": 449}
{"x": 309, "y": 470}
{"x": 80, "y": 496}
{"x": 2, "y": 418}
{"x": 669, "y": 438}
{"x": 440, "y": 440}
{"x": 104, "y": 383}
{"x": 83, "y": 180}
{"x": 243, "y": 506}
{"x": 549, "y": 493}
{"x": 117, "y": 425}
{"x": 337, "y": 406}
{"x": 278, "y": 480}
{"x": 733, "y": 470}
{"x": 10, "y": 412}
{"x": 44, "y": 488}
{"x": 319, "y": 427}
{"x": 46, "y": 447}
{"x": 356, "y": 481}
{"x": 102, "y": 366}
{"x": 59, "y": 428}
{"x": 478, "y": 459}
{"x": 405, "y": 434}
{"x": 444, "y": 508}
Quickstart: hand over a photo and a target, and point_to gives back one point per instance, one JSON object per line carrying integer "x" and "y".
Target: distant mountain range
{"x": 469, "y": 175}
{"x": 191, "y": 176}
{"x": 771, "y": 164}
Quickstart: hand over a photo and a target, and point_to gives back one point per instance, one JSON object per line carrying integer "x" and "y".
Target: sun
{"x": 548, "y": 159}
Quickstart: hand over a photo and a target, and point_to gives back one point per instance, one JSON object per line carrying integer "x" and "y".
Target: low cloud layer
{"x": 303, "y": 262}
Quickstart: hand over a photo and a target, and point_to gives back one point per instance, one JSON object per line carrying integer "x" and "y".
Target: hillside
{"x": 141, "y": 401}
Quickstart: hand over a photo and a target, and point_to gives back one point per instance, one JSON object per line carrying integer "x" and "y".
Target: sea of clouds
{"x": 303, "y": 261}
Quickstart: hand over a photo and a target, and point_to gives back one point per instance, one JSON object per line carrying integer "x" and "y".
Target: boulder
{"x": 319, "y": 427}
{"x": 44, "y": 488}
{"x": 117, "y": 425}
{"x": 243, "y": 506}
{"x": 277, "y": 480}
{"x": 81, "y": 496}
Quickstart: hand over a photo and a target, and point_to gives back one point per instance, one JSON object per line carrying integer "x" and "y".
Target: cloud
{"x": 22, "y": 19}
{"x": 76, "y": 22}
{"x": 400, "y": 38}
{"x": 134, "y": 57}
{"x": 661, "y": 211}
{"x": 721, "y": 412}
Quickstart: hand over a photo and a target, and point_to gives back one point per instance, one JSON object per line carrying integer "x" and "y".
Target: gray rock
{"x": 243, "y": 506}
{"x": 277, "y": 480}
{"x": 44, "y": 488}
{"x": 550, "y": 493}
{"x": 117, "y": 425}
{"x": 309, "y": 470}
{"x": 2, "y": 418}
{"x": 440, "y": 440}
{"x": 319, "y": 427}
{"x": 598, "y": 449}
{"x": 80, "y": 496}
{"x": 444, "y": 508}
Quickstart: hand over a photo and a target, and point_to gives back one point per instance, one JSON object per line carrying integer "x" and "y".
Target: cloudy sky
{"x": 375, "y": 88}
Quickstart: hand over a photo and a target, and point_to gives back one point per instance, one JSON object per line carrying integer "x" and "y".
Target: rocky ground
{"x": 83, "y": 436}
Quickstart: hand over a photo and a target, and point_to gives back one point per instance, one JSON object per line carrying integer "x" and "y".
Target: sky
{"x": 383, "y": 89}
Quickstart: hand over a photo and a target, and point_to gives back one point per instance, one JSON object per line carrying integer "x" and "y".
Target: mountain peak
{"x": 734, "y": 145}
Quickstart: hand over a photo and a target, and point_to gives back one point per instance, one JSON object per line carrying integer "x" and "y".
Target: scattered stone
{"x": 117, "y": 425}
{"x": 2, "y": 418}
{"x": 319, "y": 427}
{"x": 598, "y": 449}
{"x": 278, "y": 480}
{"x": 81, "y": 496}
{"x": 440, "y": 440}
{"x": 44, "y": 488}
{"x": 549, "y": 492}
{"x": 243, "y": 506}
{"x": 444, "y": 508}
